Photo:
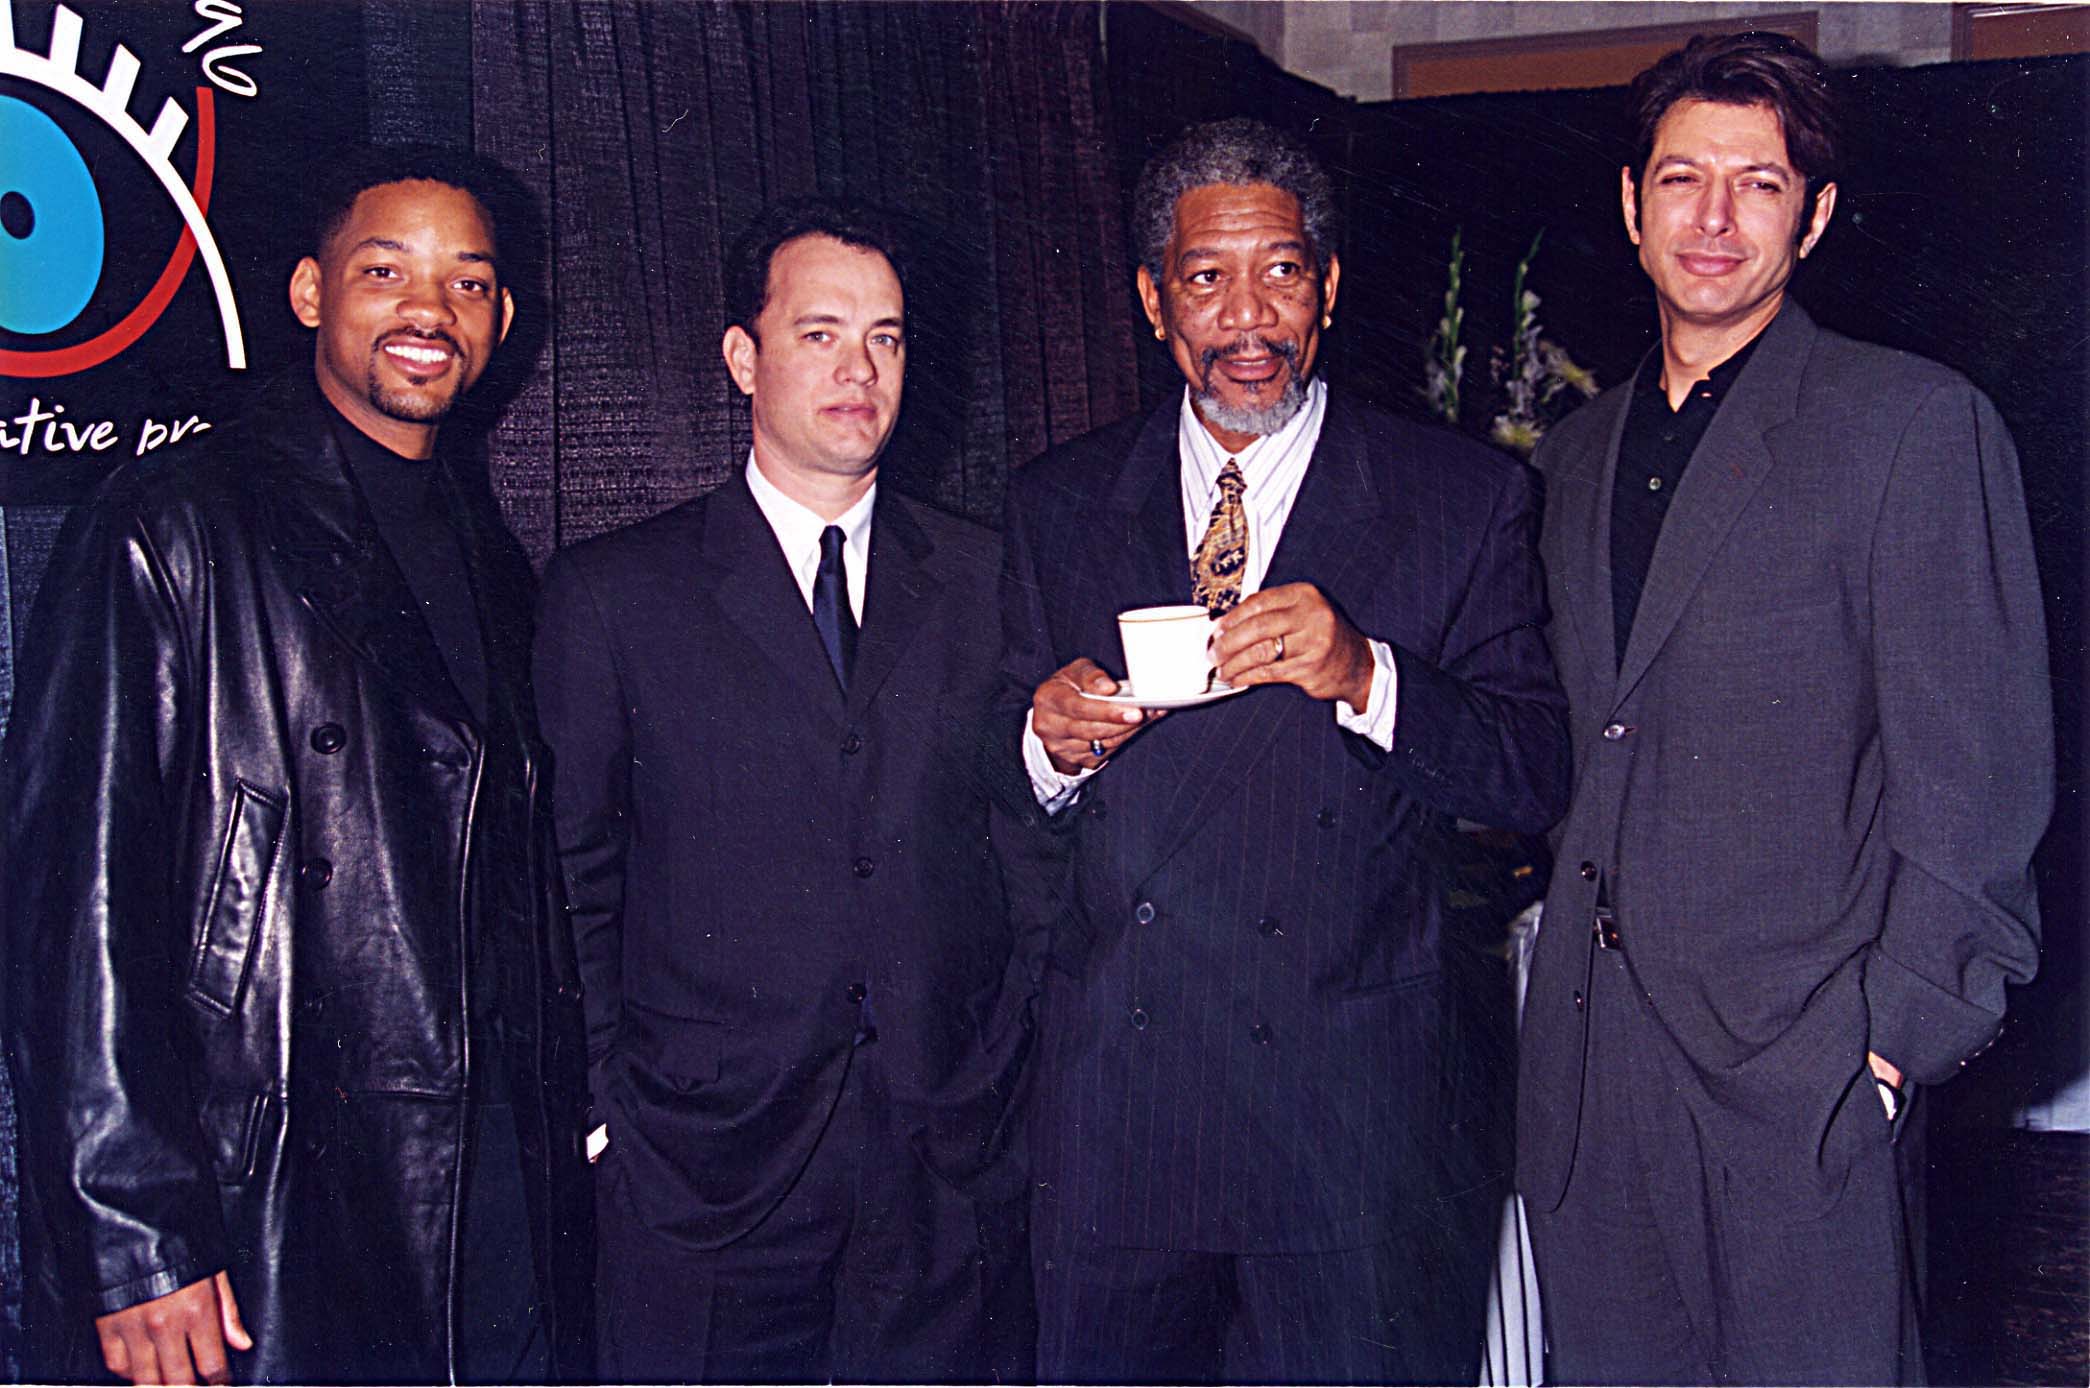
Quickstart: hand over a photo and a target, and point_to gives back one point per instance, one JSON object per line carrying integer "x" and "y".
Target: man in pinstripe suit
{"x": 1250, "y": 1162}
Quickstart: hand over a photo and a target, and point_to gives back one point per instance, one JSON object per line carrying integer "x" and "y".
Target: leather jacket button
{"x": 1144, "y": 913}
{"x": 863, "y": 867}
{"x": 1139, "y": 1019}
{"x": 1266, "y": 926}
{"x": 1589, "y": 872}
{"x": 329, "y": 738}
{"x": 315, "y": 873}
{"x": 1259, "y": 1034}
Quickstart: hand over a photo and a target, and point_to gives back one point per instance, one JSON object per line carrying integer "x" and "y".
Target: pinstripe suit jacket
{"x": 1246, "y": 1008}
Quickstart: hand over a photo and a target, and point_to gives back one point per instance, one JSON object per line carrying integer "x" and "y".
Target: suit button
{"x": 1326, "y": 819}
{"x": 863, "y": 867}
{"x": 315, "y": 873}
{"x": 1589, "y": 872}
{"x": 1614, "y": 731}
{"x": 1139, "y": 1019}
{"x": 1267, "y": 925}
{"x": 1259, "y": 1034}
{"x": 851, "y": 745}
{"x": 1144, "y": 913}
{"x": 329, "y": 738}
{"x": 857, "y": 992}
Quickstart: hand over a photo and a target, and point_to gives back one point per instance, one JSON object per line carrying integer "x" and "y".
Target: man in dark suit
{"x": 1796, "y": 613}
{"x": 806, "y": 1016}
{"x": 1250, "y": 1158}
{"x": 291, "y": 1012}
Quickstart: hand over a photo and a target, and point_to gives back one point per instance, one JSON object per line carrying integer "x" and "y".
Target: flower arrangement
{"x": 1533, "y": 374}
{"x": 1446, "y": 365}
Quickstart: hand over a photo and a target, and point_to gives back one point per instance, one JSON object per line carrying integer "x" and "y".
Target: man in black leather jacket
{"x": 297, "y": 1047}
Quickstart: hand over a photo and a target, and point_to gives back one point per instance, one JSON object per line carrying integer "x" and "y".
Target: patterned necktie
{"x": 1216, "y": 568}
{"x": 831, "y": 614}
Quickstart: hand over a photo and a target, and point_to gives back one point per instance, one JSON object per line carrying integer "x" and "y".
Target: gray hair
{"x": 1237, "y": 151}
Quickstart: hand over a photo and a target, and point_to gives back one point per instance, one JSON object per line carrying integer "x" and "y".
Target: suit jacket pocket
{"x": 238, "y": 898}
{"x": 681, "y": 1053}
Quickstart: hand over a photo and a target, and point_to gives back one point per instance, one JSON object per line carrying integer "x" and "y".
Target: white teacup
{"x": 1167, "y": 650}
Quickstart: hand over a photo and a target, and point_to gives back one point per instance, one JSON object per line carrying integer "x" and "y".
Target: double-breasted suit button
{"x": 863, "y": 867}
{"x": 852, "y": 744}
{"x": 1144, "y": 913}
{"x": 1139, "y": 1019}
{"x": 1266, "y": 926}
{"x": 857, "y": 992}
{"x": 1260, "y": 1034}
{"x": 1326, "y": 819}
{"x": 1614, "y": 731}
{"x": 329, "y": 738}
{"x": 315, "y": 873}
{"x": 1589, "y": 872}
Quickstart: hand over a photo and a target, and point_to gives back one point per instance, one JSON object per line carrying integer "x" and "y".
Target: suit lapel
{"x": 1581, "y": 490}
{"x": 327, "y": 540}
{"x": 753, "y": 585}
{"x": 901, "y": 592}
{"x": 1144, "y": 530}
{"x": 1725, "y": 472}
{"x": 1335, "y": 520}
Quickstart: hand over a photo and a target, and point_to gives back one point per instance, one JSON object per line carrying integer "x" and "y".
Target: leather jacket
{"x": 242, "y": 802}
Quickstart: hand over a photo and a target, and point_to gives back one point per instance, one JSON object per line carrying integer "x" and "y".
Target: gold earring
{"x": 1327, "y": 321}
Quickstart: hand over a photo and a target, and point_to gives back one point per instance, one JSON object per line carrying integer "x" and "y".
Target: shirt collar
{"x": 1204, "y": 457}
{"x": 1718, "y": 381}
{"x": 798, "y": 527}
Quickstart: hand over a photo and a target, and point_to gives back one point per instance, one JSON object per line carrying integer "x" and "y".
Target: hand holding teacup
{"x": 1292, "y": 635}
{"x": 1080, "y": 733}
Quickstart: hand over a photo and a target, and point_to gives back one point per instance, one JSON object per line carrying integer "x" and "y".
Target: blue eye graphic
{"x": 52, "y": 232}
{"x": 50, "y": 223}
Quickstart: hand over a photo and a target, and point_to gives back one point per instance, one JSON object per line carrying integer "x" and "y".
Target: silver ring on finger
{"x": 1280, "y": 649}
{"x": 1096, "y": 748}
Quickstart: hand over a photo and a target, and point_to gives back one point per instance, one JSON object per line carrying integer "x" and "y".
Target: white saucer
{"x": 1129, "y": 697}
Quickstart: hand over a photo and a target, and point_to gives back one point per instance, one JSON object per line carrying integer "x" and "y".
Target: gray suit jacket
{"x": 1814, "y": 784}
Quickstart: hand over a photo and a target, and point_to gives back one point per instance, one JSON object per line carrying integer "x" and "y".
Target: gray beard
{"x": 1260, "y": 420}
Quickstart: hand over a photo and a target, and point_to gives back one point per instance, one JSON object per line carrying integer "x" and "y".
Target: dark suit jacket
{"x": 1246, "y": 1012}
{"x": 1815, "y": 784}
{"x": 751, "y": 858}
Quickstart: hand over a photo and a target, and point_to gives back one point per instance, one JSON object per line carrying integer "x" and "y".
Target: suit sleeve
{"x": 582, "y": 706}
{"x": 1966, "y": 734}
{"x": 94, "y": 776}
{"x": 1482, "y": 734}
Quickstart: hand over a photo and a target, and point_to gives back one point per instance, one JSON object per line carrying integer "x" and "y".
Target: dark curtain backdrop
{"x": 655, "y": 132}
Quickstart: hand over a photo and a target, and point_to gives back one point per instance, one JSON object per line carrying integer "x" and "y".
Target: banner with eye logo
{"x": 146, "y": 156}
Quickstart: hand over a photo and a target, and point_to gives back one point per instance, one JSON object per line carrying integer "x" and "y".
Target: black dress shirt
{"x": 1658, "y": 443}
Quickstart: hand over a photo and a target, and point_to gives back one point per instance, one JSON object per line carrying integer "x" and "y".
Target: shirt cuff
{"x": 1376, "y": 722}
{"x": 1053, "y": 790}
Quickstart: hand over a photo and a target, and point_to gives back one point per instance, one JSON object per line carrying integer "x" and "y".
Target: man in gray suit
{"x": 1796, "y": 614}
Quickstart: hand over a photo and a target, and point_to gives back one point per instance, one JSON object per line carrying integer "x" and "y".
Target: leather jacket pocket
{"x": 238, "y": 898}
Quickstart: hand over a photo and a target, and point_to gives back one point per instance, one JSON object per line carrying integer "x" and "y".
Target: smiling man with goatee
{"x": 1251, "y": 1163}
{"x": 297, "y": 1042}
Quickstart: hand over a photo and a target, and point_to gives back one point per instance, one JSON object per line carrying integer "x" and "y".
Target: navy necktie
{"x": 831, "y": 615}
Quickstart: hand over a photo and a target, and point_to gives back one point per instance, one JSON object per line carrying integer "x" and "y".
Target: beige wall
{"x": 1348, "y": 44}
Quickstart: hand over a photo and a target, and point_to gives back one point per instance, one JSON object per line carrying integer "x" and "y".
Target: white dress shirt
{"x": 1274, "y": 467}
{"x": 797, "y": 531}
